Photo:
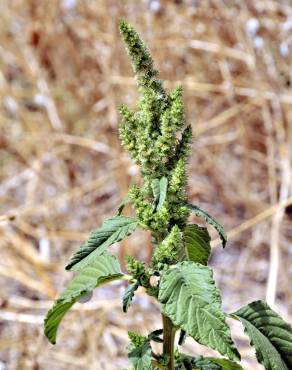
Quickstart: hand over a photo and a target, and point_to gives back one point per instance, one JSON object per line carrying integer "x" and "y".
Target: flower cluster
{"x": 168, "y": 251}
{"x": 136, "y": 339}
{"x": 158, "y": 141}
{"x": 138, "y": 271}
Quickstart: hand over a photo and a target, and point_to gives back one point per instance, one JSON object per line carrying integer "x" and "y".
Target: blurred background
{"x": 63, "y": 72}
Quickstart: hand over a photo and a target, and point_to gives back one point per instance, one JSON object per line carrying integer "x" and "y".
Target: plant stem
{"x": 168, "y": 341}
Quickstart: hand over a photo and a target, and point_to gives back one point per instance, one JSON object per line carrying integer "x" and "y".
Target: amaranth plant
{"x": 159, "y": 142}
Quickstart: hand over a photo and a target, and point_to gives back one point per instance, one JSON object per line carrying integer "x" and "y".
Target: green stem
{"x": 168, "y": 341}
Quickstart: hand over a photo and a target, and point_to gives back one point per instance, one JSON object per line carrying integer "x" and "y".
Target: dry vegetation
{"x": 63, "y": 71}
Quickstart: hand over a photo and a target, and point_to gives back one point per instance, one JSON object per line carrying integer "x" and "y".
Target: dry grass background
{"x": 63, "y": 71}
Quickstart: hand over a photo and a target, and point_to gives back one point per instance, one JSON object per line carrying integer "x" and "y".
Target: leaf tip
{"x": 68, "y": 266}
{"x": 50, "y": 336}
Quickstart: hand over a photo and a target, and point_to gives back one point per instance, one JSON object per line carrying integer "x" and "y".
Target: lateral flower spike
{"x": 142, "y": 62}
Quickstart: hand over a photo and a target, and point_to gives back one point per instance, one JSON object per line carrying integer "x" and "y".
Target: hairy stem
{"x": 168, "y": 341}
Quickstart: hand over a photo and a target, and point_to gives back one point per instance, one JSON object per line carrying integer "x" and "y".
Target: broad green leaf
{"x": 140, "y": 357}
{"x": 113, "y": 230}
{"x": 123, "y": 204}
{"x": 197, "y": 243}
{"x": 105, "y": 268}
{"x": 189, "y": 297}
{"x": 269, "y": 334}
{"x": 128, "y": 295}
{"x": 159, "y": 188}
{"x": 210, "y": 220}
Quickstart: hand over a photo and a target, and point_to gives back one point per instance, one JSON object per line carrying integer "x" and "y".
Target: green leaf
{"x": 113, "y": 230}
{"x": 159, "y": 188}
{"x": 105, "y": 268}
{"x": 186, "y": 362}
{"x": 204, "y": 363}
{"x": 128, "y": 295}
{"x": 155, "y": 336}
{"x": 189, "y": 297}
{"x": 210, "y": 220}
{"x": 225, "y": 364}
{"x": 197, "y": 243}
{"x": 207, "y": 363}
{"x": 156, "y": 191}
{"x": 182, "y": 337}
{"x": 123, "y": 204}
{"x": 269, "y": 334}
{"x": 163, "y": 190}
{"x": 140, "y": 357}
